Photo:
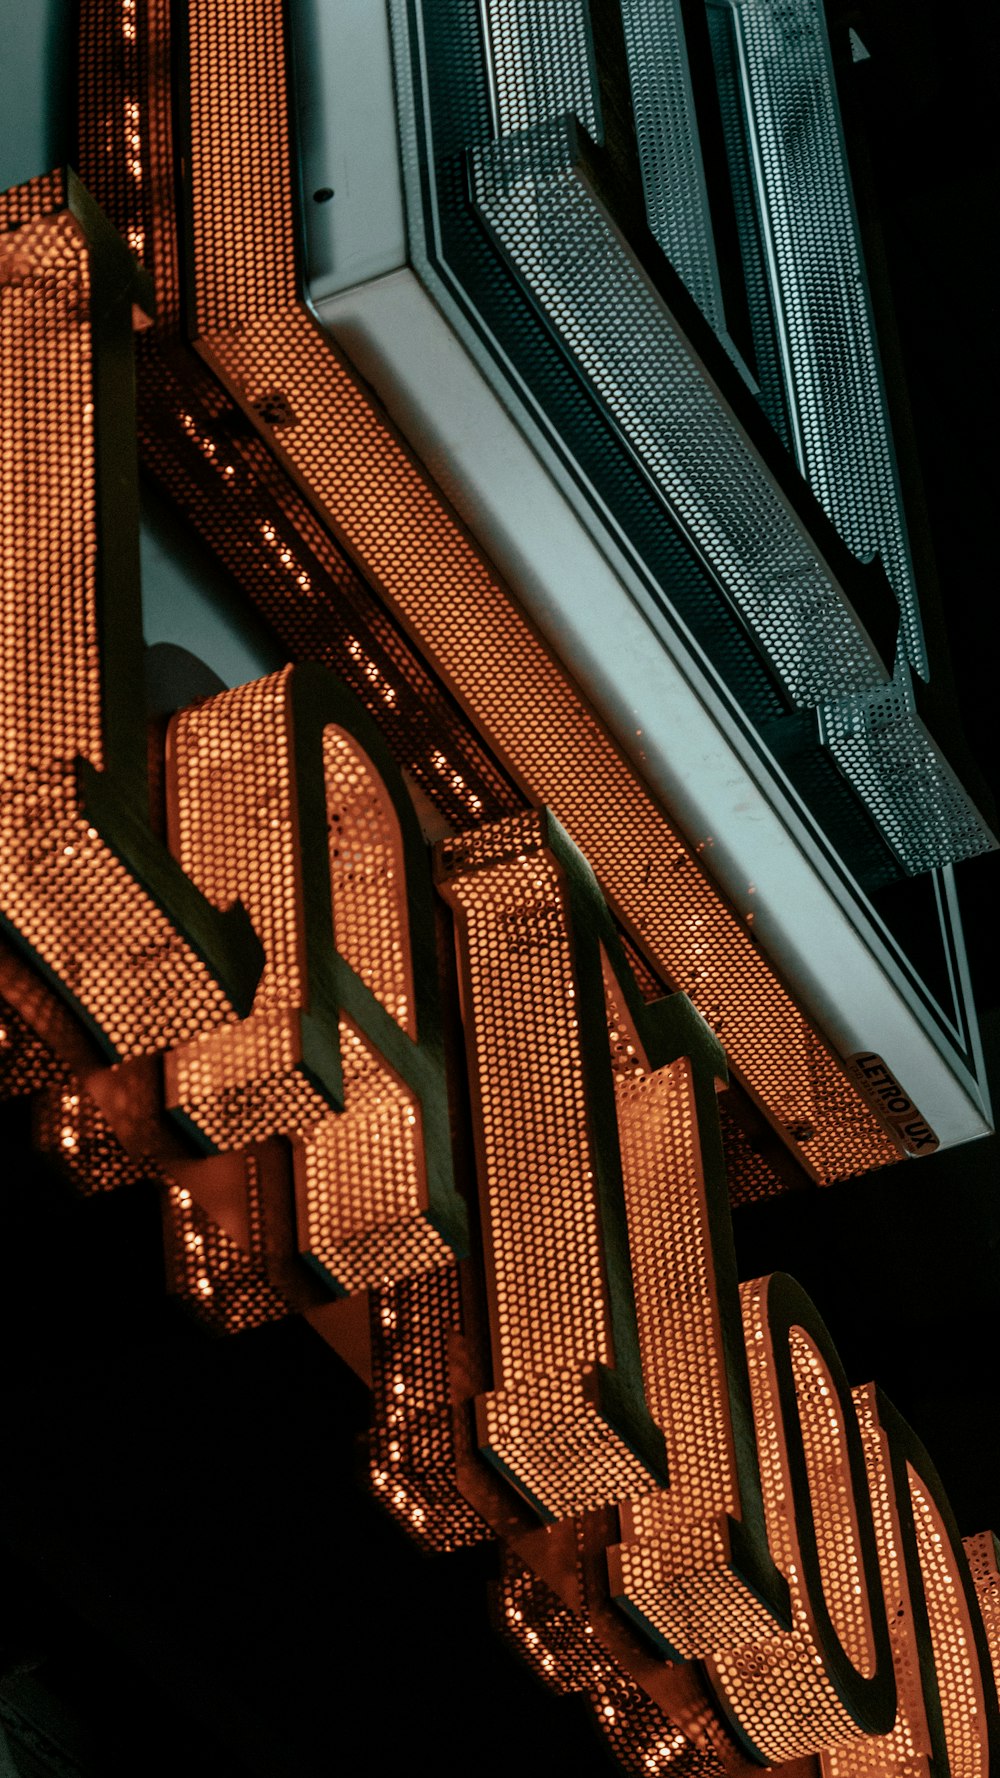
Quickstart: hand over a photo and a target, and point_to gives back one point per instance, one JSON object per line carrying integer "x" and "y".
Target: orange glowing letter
{"x": 284, "y": 794}
{"x": 829, "y": 1679}
{"x": 85, "y": 886}
{"x": 945, "y": 1642}
{"x": 617, "y": 1348}
{"x": 618, "y": 1344}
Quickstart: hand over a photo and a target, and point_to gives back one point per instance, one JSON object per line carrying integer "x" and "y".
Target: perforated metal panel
{"x": 559, "y": 1646}
{"x": 418, "y": 1320}
{"x": 781, "y": 1687}
{"x": 63, "y": 888}
{"x": 666, "y": 126}
{"x": 67, "y": 1126}
{"x": 509, "y": 685}
{"x": 26, "y": 1063}
{"x": 540, "y": 67}
{"x": 413, "y": 1444}
{"x": 548, "y": 1294}
{"x": 883, "y": 747}
{"x": 959, "y": 1731}
{"x": 955, "y": 1660}
{"x": 564, "y": 302}
{"x": 904, "y": 1751}
{"x": 224, "y": 1287}
{"x": 983, "y": 1552}
{"x": 818, "y": 286}
{"x": 634, "y": 356}
{"x": 746, "y": 198}
{"x": 240, "y": 831}
{"x": 540, "y": 63}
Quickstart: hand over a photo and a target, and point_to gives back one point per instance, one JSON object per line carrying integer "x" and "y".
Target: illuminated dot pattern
{"x": 671, "y": 1262}
{"x": 412, "y": 1445}
{"x": 70, "y": 898}
{"x": 749, "y": 1177}
{"x": 561, "y": 1649}
{"x": 832, "y": 1499}
{"x": 359, "y": 1171}
{"x": 125, "y": 105}
{"x": 678, "y": 1574}
{"x": 362, "y": 1178}
{"x": 68, "y": 1128}
{"x": 259, "y": 339}
{"x": 983, "y": 1555}
{"x": 225, "y": 479}
{"x": 49, "y": 635}
{"x": 234, "y": 833}
{"x": 903, "y": 1753}
{"x": 547, "y": 1290}
{"x": 624, "y": 342}
{"x": 955, "y": 1660}
{"x": 26, "y": 1063}
{"x": 262, "y": 531}
{"x": 536, "y": 1147}
{"x": 223, "y": 1287}
{"x": 278, "y": 568}
{"x": 366, "y": 877}
{"x": 778, "y": 1687}
{"x": 673, "y": 1565}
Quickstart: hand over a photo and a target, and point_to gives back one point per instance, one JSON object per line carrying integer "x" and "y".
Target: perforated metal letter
{"x": 283, "y": 793}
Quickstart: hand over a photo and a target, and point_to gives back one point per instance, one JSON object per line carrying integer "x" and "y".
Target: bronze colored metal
{"x": 85, "y": 886}
{"x": 282, "y": 793}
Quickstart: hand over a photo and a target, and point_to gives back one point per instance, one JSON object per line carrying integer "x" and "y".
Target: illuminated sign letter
{"x": 830, "y": 1677}
{"x": 941, "y": 1646}
{"x": 85, "y": 885}
{"x": 616, "y": 1315}
{"x": 618, "y": 1352}
{"x": 284, "y": 794}
{"x": 567, "y": 1419}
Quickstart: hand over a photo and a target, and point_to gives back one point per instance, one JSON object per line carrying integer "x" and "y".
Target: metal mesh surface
{"x": 68, "y": 1128}
{"x": 308, "y": 586}
{"x": 673, "y": 178}
{"x": 540, "y": 63}
{"x": 63, "y": 889}
{"x": 559, "y": 268}
{"x": 559, "y": 1647}
{"x": 26, "y": 1063}
{"x": 413, "y": 1444}
{"x": 513, "y": 690}
{"x": 767, "y": 359}
{"x": 882, "y": 746}
{"x": 633, "y": 354}
{"x": 818, "y": 286}
{"x": 903, "y": 1753}
{"x": 417, "y": 1320}
{"x": 224, "y": 1287}
{"x": 780, "y": 1686}
{"x": 915, "y": 1744}
{"x": 983, "y": 1552}
{"x": 239, "y": 831}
